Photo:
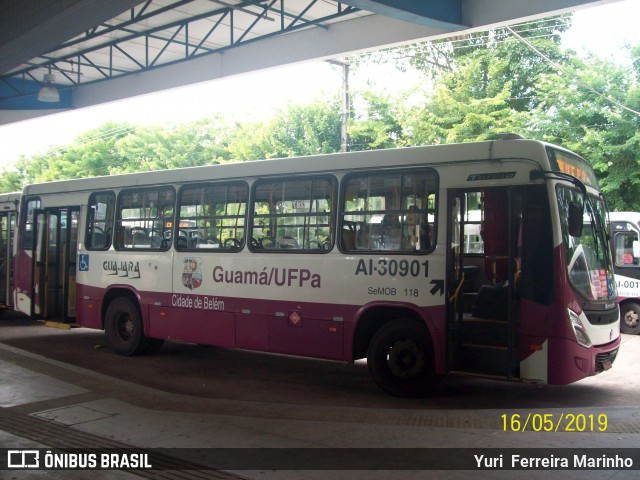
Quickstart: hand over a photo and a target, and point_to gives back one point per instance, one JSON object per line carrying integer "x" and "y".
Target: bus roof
{"x": 335, "y": 162}
{"x": 631, "y": 217}
{"x": 9, "y": 201}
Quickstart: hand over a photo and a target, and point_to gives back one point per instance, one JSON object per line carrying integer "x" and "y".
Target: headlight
{"x": 578, "y": 329}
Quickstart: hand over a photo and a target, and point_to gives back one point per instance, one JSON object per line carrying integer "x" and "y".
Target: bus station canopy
{"x": 92, "y": 52}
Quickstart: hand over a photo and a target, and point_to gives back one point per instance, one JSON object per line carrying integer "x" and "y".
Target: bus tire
{"x": 400, "y": 359}
{"x": 123, "y": 327}
{"x": 630, "y": 318}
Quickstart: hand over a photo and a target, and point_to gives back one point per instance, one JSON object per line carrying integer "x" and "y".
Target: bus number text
{"x": 628, "y": 284}
{"x": 393, "y": 268}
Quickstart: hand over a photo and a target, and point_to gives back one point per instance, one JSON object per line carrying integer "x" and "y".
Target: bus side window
{"x": 626, "y": 249}
{"x": 100, "y": 220}
{"x": 142, "y": 216}
{"x": 390, "y": 211}
{"x": 212, "y": 217}
{"x": 28, "y": 223}
{"x": 294, "y": 215}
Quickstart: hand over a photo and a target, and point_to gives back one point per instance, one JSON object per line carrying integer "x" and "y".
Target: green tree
{"x": 497, "y": 57}
{"x": 300, "y": 130}
{"x": 452, "y": 115}
{"x": 588, "y": 116}
{"x": 500, "y": 58}
{"x": 485, "y": 82}
{"x": 203, "y": 142}
{"x": 91, "y": 154}
{"x": 496, "y": 82}
{"x": 376, "y": 124}
{"x": 121, "y": 148}
{"x": 13, "y": 178}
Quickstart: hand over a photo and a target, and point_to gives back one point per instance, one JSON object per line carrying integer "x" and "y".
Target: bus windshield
{"x": 588, "y": 258}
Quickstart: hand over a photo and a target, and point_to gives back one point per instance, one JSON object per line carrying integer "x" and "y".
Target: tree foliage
{"x": 203, "y": 142}
{"x": 588, "y": 115}
{"x": 300, "y": 130}
{"x": 376, "y": 124}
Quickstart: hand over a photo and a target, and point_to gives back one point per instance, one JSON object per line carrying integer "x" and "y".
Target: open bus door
{"x": 54, "y": 265}
{"x": 481, "y": 312}
{"x": 455, "y": 279}
{"x": 7, "y": 228}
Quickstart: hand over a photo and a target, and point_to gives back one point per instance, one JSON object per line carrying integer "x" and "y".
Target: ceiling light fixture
{"x": 48, "y": 93}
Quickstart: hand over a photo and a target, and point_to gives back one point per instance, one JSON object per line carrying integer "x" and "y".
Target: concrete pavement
{"x": 50, "y": 403}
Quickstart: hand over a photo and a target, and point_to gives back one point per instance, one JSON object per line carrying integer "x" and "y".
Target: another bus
{"x": 463, "y": 258}
{"x": 625, "y": 232}
{"x": 8, "y": 209}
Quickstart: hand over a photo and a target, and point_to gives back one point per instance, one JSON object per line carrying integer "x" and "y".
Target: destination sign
{"x": 574, "y": 166}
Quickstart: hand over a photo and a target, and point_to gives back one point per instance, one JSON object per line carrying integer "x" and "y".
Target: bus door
{"x": 54, "y": 264}
{"x": 481, "y": 312}
{"x": 455, "y": 280}
{"x": 7, "y": 227}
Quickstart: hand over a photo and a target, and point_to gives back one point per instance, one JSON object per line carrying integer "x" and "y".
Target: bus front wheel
{"x": 123, "y": 327}
{"x": 400, "y": 359}
{"x": 630, "y": 316}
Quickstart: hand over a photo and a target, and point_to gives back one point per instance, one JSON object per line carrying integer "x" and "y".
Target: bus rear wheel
{"x": 400, "y": 359}
{"x": 123, "y": 327}
{"x": 630, "y": 318}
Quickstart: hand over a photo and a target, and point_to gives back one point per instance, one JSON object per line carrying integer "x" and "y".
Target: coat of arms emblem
{"x": 192, "y": 273}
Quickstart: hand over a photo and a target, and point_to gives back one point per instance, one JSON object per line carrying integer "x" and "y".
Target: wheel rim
{"x": 631, "y": 318}
{"x": 125, "y": 326}
{"x": 406, "y": 359}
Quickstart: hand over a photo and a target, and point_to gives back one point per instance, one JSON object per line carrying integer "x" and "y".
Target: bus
{"x": 624, "y": 233}
{"x": 8, "y": 207}
{"x": 465, "y": 258}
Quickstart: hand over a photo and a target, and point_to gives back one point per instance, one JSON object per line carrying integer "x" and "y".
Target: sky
{"x": 603, "y": 30}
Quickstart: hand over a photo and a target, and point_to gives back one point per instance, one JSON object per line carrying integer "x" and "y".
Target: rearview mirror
{"x": 575, "y": 219}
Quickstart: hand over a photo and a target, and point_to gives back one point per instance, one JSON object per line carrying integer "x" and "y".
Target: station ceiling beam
{"x": 439, "y": 13}
{"x": 98, "y": 51}
{"x": 30, "y": 28}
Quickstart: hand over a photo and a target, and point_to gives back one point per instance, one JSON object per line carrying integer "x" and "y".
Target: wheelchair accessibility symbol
{"x": 83, "y": 264}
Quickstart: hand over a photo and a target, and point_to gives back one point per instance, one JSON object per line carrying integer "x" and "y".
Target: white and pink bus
{"x": 625, "y": 233}
{"x": 465, "y": 258}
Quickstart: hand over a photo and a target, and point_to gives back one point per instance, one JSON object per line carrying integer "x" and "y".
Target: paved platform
{"x": 64, "y": 389}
